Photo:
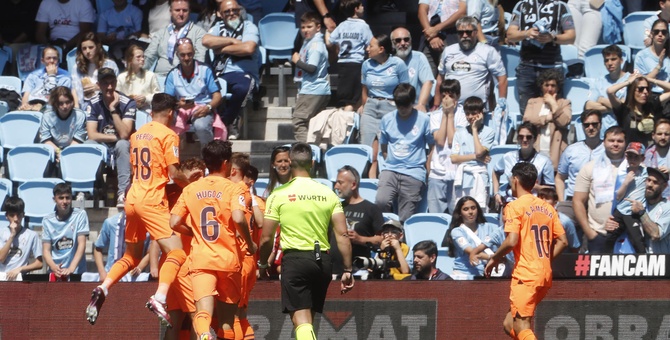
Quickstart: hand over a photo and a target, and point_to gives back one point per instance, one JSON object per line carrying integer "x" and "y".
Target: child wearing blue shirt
{"x": 312, "y": 71}
{"x": 351, "y": 36}
{"x": 632, "y": 189}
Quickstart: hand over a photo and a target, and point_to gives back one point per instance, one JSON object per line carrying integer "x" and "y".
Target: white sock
{"x": 104, "y": 290}
{"x": 160, "y": 297}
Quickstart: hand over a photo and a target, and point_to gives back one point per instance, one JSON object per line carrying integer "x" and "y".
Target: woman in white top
{"x": 136, "y": 82}
{"x": 90, "y": 58}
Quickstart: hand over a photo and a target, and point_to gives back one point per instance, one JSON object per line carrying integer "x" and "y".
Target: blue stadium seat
{"x": 19, "y": 127}
{"x": 277, "y": 32}
{"x": 141, "y": 118}
{"x": 38, "y": 196}
{"x": 260, "y": 186}
{"x": 513, "y": 108}
{"x": 316, "y": 153}
{"x": 4, "y": 222}
{"x": 390, "y": 216}
{"x": 497, "y": 152}
{"x": 570, "y": 55}
{"x": 11, "y": 83}
{"x": 325, "y": 182}
{"x": 367, "y": 189}
{"x": 4, "y": 107}
{"x": 355, "y": 155}
{"x": 511, "y": 56}
{"x": 355, "y": 128}
{"x": 30, "y": 161}
{"x": 577, "y": 90}
{"x": 493, "y": 218}
{"x": 633, "y": 29}
{"x": 80, "y": 164}
{"x": 38, "y": 62}
{"x": 5, "y": 190}
{"x": 273, "y": 6}
{"x": 421, "y": 227}
{"x": 594, "y": 66}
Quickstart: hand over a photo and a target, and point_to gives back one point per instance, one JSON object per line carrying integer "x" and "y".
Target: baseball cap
{"x": 106, "y": 72}
{"x": 635, "y": 147}
{"x": 658, "y": 173}
{"x": 393, "y": 224}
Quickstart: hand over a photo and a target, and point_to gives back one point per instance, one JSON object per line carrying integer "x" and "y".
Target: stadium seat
{"x": 4, "y": 107}
{"x": 316, "y": 152}
{"x": 511, "y": 58}
{"x": 79, "y": 165}
{"x": 273, "y": 6}
{"x": 5, "y": 190}
{"x": 19, "y": 127}
{"x": 277, "y": 32}
{"x": 577, "y": 90}
{"x": 508, "y": 19}
{"x": 570, "y": 55}
{"x": 354, "y": 129}
{"x": 30, "y": 161}
{"x": 141, "y": 118}
{"x": 421, "y": 227}
{"x": 260, "y": 186}
{"x": 11, "y": 83}
{"x": 594, "y": 67}
{"x": 4, "y": 222}
{"x": 390, "y": 216}
{"x": 513, "y": 108}
{"x": 633, "y": 29}
{"x": 355, "y": 155}
{"x": 367, "y": 189}
{"x": 497, "y": 152}
{"x": 325, "y": 182}
{"x": 38, "y": 62}
{"x": 38, "y": 196}
{"x": 493, "y": 218}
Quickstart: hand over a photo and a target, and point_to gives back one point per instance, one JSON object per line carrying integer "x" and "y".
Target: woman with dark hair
{"x": 469, "y": 237}
{"x": 90, "y": 58}
{"x": 136, "y": 82}
{"x": 62, "y": 124}
{"x": 210, "y": 14}
{"x": 653, "y": 62}
{"x": 637, "y": 113}
{"x": 502, "y": 171}
{"x": 551, "y": 114}
{"x": 280, "y": 169}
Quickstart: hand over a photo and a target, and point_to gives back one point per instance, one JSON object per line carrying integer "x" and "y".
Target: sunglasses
{"x": 641, "y": 89}
{"x": 232, "y": 11}
{"x": 183, "y": 41}
{"x": 399, "y": 40}
{"x": 525, "y": 137}
{"x": 588, "y": 125}
{"x": 466, "y": 32}
{"x": 656, "y": 32}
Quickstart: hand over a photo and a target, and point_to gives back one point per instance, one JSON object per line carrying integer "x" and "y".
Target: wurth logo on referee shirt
{"x": 620, "y": 265}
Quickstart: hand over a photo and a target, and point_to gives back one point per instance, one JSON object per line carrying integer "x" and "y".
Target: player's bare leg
{"x": 131, "y": 258}
{"x": 522, "y": 328}
{"x": 203, "y": 318}
{"x": 175, "y": 258}
{"x": 508, "y": 325}
{"x": 302, "y": 321}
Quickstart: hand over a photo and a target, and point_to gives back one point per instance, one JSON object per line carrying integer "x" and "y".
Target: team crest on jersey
{"x": 411, "y": 72}
{"x": 175, "y": 150}
{"x": 241, "y": 200}
{"x": 390, "y": 71}
{"x": 462, "y": 241}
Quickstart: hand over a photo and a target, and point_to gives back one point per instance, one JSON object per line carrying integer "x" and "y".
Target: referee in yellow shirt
{"x": 305, "y": 208}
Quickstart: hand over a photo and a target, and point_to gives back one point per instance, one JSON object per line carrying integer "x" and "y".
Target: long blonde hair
{"x": 130, "y": 54}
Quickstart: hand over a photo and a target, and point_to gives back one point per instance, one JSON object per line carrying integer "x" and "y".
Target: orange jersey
{"x": 537, "y": 224}
{"x": 152, "y": 149}
{"x": 207, "y": 205}
{"x": 255, "y": 226}
{"x": 247, "y": 214}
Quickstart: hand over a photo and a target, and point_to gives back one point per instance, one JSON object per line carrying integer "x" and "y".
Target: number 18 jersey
{"x": 152, "y": 149}
{"x": 537, "y": 224}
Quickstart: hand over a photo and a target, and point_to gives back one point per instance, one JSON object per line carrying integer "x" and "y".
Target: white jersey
{"x": 25, "y": 244}
{"x": 440, "y": 162}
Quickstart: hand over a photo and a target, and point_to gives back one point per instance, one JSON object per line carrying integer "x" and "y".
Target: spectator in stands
{"x": 636, "y": 114}
{"x": 63, "y": 22}
{"x": 573, "y": 159}
{"x": 234, "y": 41}
{"x": 593, "y": 194}
{"x": 110, "y": 121}
{"x": 18, "y": 243}
{"x": 438, "y": 21}
{"x": 487, "y": 15}
{"x": 653, "y": 62}
{"x": 380, "y": 75}
{"x": 39, "y": 83}
{"x": 473, "y": 64}
{"x": 405, "y": 133}
{"x": 656, "y": 156}
{"x": 470, "y": 152}
{"x": 16, "y": 30}
{"x": 442, "y": 171}
{"x": 210, "y": 15}
{"x": 551, "y": 114}
{"x": 62, "y": 124}
{"x": 588, "y": 23}
{"x": 418, "y": 68}
{"x": 280, "y": 169}
{"x": 550, "y": 196}
{"x": 137, "y": 83}
{"x": 364, "y": 219}
{"x": 393, "y": 249}
{"x": 312, "y": 71}
{"x": 162, "y": 50}
{"x": 112, "y": 239}
{"x": 655, "y": 215}
{"x": 64, "y": 234}
{"x": 198, "y": 92}
{"x": 541, "y": 36}
{"x": 598, "y": 99}
{"x": 664, "y": 14}
{"x": 91, "y": 57}
{"x": 156, "y": 18}
{"x": 119, "y": 26}
{"x": 351, "y": 38}
{"x": 320, "y": 8}
{"x": 502, "y": 171}
{"x": 425, "y": 259}
{"x": 471, "y": 240}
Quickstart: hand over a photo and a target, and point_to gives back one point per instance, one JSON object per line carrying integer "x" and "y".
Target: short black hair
{"x": 530, "y": 127}
{"x": 384, "y": 40}
{"x": 429, "y": 247}
{"x": 615, "y": 130}
{"x": 526, "y": 173}
{"x": 252, "y": 172}
{"x": 162, "y": 102}
{"x": 547, "y": 193}
{"x": 612, "y": 49}
{"x": 473, "y": 105}
{"x": 588, "y": 113}
{"x": 14, "y": 205}
{"x": 452, "y": 86}
{"x": 404, "y": 95}
{"x": 310, "y": 17}
{"x": 62, "y": 188}
{"x": 301, "y": 156}
{"x": 348, "y": 7}
{"x": 215, "y": 153}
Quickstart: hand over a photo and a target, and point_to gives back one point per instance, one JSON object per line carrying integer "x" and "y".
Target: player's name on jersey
{"x": 208, "y": 194}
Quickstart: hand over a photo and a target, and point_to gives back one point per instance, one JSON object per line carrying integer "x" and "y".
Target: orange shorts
{"x": 525, "y": 298}
{"x": 248, "y": 280}
{"x": 225, "y": 285}
{"x": 180, "y": 295}
{"x": 142, "y": 218}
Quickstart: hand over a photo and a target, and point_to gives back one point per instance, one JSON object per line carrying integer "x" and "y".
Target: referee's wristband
{"x": 262, "y": 266}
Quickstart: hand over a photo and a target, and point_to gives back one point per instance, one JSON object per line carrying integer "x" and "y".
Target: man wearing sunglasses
{"x": 418, "y": 68}
{"x": 236, "y": 59}
{"x": 162, "y": 50}
{"x": 473, "y": 64}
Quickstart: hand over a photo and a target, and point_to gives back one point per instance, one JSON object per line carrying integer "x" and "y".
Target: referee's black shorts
{"x": 304, "y": 281}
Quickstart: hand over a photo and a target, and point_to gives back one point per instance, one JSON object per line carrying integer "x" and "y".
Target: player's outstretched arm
{"x": 508, "y": 244}
{"x": 559, "y": 245}
{"x": 177, "y": 224}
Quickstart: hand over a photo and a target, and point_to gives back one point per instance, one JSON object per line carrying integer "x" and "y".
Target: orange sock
{"x": 228, "y": 334}
{"x": 201, "y": 322}
{"x": 247, "y": 329}
{"x": 122, "y": 267}
{"x": 169, "y": 269}
{"x": 512, "y": 334}
{"x": 526, "y": 334}
{"x": 237, "y": 326}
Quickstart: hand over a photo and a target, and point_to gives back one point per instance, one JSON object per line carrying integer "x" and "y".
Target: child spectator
{"x": 17, "y": 243}
{"x": 312, "y": 71}
{"x": 352, "y": 37}
{"x": 632, "y": 189}
{"x": 550, "y": 196}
